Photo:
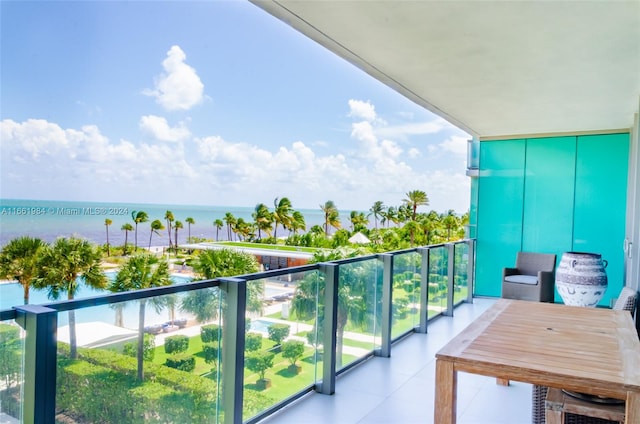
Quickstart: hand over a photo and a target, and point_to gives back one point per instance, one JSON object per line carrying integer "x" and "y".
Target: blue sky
{"x": 208, "y": 103}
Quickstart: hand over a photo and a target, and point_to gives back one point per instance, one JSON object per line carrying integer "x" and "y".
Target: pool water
{"x": 11, "y": 294}
{"x": 260, "y": 325}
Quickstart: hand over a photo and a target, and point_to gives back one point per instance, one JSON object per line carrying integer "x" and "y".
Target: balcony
{"x": 370, "y": 327}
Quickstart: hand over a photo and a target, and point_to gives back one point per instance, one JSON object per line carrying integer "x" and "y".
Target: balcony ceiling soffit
{"x": 491, "y": 68}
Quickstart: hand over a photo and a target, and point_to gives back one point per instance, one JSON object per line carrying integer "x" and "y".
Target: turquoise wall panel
{"x": 548, "y": 195}
{"x": 600, "y": 203}
{"x": 500, "y": 202}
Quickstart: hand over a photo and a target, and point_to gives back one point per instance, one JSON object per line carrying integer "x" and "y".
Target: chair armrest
{"x": 546, "y": 276}
{"x": 546, "y": 280}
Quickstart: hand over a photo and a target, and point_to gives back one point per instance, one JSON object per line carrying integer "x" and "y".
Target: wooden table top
{"x": 590, "y": 350}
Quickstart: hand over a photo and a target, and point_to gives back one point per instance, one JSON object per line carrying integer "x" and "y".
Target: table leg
{"x": 446, "y": 391}
{"x": 632, "y": 410}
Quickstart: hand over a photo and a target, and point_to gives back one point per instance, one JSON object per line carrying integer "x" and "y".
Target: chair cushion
{"x": 522, "y": 279}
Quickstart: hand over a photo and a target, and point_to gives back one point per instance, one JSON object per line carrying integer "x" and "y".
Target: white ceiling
{"x": 493, "y": 68}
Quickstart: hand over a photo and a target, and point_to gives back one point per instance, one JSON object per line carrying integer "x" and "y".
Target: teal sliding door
{"x": 548, "y": 195}
{"x": 500, "y": 200}
{"x": 601, "y": 203}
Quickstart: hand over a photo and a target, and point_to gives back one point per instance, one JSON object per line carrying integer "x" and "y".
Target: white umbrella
{"x": 359, "y": 238}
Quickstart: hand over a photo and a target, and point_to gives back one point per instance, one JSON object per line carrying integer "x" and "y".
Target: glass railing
{"x": 407, "y": 270}
{"x": 228, "y": 350}
{"x": 11, "y": 369}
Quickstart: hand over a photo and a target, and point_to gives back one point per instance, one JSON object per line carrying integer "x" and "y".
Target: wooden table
{"x": 587, "y": 350}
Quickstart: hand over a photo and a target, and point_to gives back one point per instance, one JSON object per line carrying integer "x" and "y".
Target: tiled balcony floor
{"x": 400, "y": 389}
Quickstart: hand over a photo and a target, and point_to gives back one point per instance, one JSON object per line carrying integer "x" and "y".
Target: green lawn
{"x": 269, "y": 246}
{"x": 284, "y": 382}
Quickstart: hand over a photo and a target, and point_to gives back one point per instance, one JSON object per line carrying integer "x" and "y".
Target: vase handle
{"x": 573, "y": 263}
{"x": 605, "y": 262}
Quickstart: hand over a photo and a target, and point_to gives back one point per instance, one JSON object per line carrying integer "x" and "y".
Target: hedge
{"x": 176, "y": 344}
{"x": 101, "y": 386}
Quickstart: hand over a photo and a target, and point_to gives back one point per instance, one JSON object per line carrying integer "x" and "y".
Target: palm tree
{"x": 376, "y": 210}
{"x": 263, "y": 219}
{"x": 168, "y": 216}
{"x": 392, "y": 215}
{"x": 450, "y": 221}
{"x": 297, "y": 222}
{"x": 404, "y": 213}
{"x": 282, "y": 214}
{"x": 108, "y": 222}
{"x": 218, "y": 224}
{"x": 19, "y": 261}
{"x": 429, "y": 223}
{"x": 138, "y": 218}
{"x": 330, "y": 214}
{"x": 328, "y": 207}
{"x": 316, "y": 230}
{"x": 141, "y": 272}
{"x": 242, "y": 228}
{"x": 126, "y": 228}
{"x": 156, "y": 226}
{"x": 356, "y": 295}
{"x": 63, "y": 266}
{"x": 358, "y": 221}
{"x": 189, "y": 221}
{"x": 205, "y": 304}
{"x": 177, "y": 226}
{"x": 414, "y": 199}
{"x": 230, "y": 220}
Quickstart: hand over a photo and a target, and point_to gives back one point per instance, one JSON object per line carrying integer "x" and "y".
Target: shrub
{"x": 210, "y": 333}
{"x": 176, "y": 344}
{"x": 278, "y": 332}
{"x": 185, "y": 363}
{"x": 212, "y": 352}
{"x": 259, "y": 362}
{"x": 311, "y": 336}
{"x": 253, "y": 342}
{"x": 292, "y": 350}
{"x": 148, "y": 348}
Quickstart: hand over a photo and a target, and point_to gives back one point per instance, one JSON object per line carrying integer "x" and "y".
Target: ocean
{"x": 49, "y": 220}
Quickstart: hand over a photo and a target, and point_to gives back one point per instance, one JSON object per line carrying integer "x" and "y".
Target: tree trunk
{"x": 119, "y": 315}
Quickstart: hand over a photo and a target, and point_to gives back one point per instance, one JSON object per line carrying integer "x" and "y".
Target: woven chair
{"x": 627, "y": 301}
{"x": 533, "y": 277}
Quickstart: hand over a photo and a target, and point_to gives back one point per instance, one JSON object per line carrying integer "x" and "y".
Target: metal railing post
{"x": 41, "y": 326}
{"x": 233, "y": 340}
{"x": 471, "y": 269}
{"x": 331, "y": 277}
{"x": 387, "y": 305}
{"x": 451, "y": 274}
{"x": 424, "y": 290}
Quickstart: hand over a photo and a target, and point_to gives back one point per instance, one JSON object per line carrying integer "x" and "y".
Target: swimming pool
{"x": 11, "y": 294}
{"x": 260, "y": 325}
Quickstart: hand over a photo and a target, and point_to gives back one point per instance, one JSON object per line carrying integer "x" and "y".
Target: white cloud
{"x": 40, "y": 159}
{"x": 414, "y": 153}
{"x": 159, "y": 128}
{"x": 362, "y": 110}
{"x": 179, "y": 86}
{"x": 455, "y": 144}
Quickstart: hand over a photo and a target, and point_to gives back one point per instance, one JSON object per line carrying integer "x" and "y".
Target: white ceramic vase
{"x": 581, "y": 279}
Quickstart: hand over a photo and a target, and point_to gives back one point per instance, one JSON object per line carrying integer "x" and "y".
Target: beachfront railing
{"x": 232, "y": 350}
